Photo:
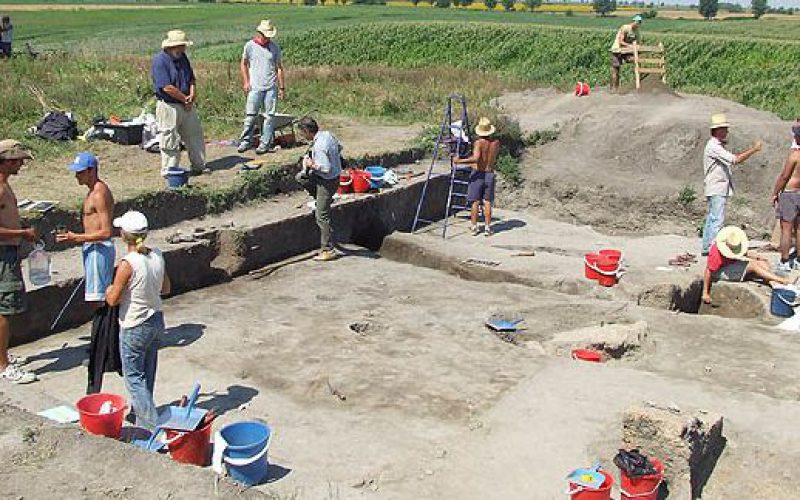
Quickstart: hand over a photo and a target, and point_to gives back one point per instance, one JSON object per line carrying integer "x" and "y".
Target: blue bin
{"x": 246, "y": 453}
{"x": 177, "y": 178}
{"x": 376, "y": 180}
{"x": 782, "y": 303}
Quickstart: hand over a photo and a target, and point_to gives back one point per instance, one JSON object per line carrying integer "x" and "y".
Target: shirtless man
{"x": 98, "y": 249}
{"x": 482, "y": 178}
{"x": 786, "y": 200}
{"x": 12, "y": 287}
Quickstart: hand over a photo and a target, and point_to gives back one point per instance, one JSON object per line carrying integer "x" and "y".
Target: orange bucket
{"x": 361, "y": 179}
{"x": 582, "y": 89}
{"x": 345, "y": 183}
{"x": 589, "y": 266}
{"x": 642, "y": 487}
{"x": 193, "y": 447}
{"x": 102, "y": 424}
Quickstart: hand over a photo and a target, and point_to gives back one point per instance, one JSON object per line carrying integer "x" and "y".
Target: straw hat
{"x": 732, "y": 242}
{"x": 13, "y": 150}
{"x": 176, "y": 38}
{"x": 485, "y": 127}
{"x": 267, "y": 29}
{"x": 719, "y": 121}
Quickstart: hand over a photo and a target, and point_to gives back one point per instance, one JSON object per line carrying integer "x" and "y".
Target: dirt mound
{"x": 621, "y": 161}
{"x": 35, "y": 451}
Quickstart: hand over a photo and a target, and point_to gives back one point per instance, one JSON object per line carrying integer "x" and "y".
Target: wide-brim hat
{"x": 13, "y": 150}
{"x": 732, "y": 242}
{"x": 485, "y": 127}
{"x": 266, "y": 28}
{"x": 719, "y": 121}
{"x": 176, "y": 38}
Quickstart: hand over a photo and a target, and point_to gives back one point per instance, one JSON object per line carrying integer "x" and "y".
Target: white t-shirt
{"x": 142, "y": 297}
{"x": 263, "y": 63}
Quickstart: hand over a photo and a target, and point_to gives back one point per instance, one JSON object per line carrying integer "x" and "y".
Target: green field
{"x": 391, "y": 64}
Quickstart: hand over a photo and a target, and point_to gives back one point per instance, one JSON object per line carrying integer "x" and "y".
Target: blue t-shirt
{"x": 168, "y": 71}
{"x": 327, "y": 154}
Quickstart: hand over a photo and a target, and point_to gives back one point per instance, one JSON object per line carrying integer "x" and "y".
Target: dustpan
{"x": 151, "y": 443}
{"x": 183, "y": 418}
{"x": 502, "y": 325}
{"x": 588, "y": 478}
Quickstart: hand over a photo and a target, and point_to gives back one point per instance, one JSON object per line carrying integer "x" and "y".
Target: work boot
{"x": 17, "y": 360}
{"x": 474, "y": 230}
{"x": 17, "y": 375}
{"x": 243, "y": 146}
{"x": 264, "y": 149}
{"x": 326, "y": 255}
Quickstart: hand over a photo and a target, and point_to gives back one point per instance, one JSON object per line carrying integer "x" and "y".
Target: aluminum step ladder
{"x": 454, "y": 136}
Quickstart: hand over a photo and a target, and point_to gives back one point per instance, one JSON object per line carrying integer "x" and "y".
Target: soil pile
{"x": 630, "y": 162}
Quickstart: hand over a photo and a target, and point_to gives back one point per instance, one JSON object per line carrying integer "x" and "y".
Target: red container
{"x": 589, "y": 260}
{"x": 191, "y": 447}
{"x": 345, "y": 183}
{"x": 610, "y": 256}
{"x": 582, "y": 89}
{"x": 587, "y": 355}
{"x": 643, "y": 487}
{"x": 360, "y": 180}
{"x": 577, "y": 492}
{"x": 107, "y": 424}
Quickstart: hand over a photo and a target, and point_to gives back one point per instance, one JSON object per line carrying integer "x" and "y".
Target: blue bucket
{"x": 782, "y": 303}
{"x": 376, "y": 180}
{"x": 177, "y": 178}
{"x": 246, "y": 451}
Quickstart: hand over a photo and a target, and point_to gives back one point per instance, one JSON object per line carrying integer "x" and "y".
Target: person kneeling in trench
{"x": 728, "y": 260}
{"x": 320, "y": 177}
{"x": 140, "y": 282}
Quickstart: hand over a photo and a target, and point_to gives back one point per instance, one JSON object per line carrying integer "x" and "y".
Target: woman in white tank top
{"x": 139, "y": 282}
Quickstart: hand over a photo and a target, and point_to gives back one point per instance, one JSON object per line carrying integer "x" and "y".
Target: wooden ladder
{"x": 649, "y": 59}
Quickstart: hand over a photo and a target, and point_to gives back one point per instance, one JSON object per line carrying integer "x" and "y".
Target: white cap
{"x": 132, "y": 222}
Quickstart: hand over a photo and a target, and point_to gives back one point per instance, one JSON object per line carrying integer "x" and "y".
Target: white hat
{"x": 266, "y": 28}
{"x": 132, "y": 222}
{"x": 176, "y": 38}
{"x": 719, "y": 121}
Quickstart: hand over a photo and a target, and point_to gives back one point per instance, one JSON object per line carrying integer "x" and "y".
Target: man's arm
{"x": 755, "y": 148}
{"x": 166, "y": 285}
{"x": 121, "y": 278}
{"x": 244, "y": 69}
{"x": 28, "y": 234}
{"x": 476, "y": 154}
{"x": 783, "y": 177}
{"x": 707, "y": 286}
{"x": 281, "y": 85}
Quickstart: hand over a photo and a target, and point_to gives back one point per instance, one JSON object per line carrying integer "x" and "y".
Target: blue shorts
{"x": 98, "y": 267}
{"x": 481, "y": 186}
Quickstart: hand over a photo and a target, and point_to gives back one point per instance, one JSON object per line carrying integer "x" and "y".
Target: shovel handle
{"x": 193, "y": 398}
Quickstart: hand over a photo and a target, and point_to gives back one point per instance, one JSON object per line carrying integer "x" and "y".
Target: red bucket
{"x": 589, "y": 261}
{"x": 345, "y": 183}
{"x": 608, "y": 262}
{"x": 106, "y": 424}
{"x": 360, "y": 180}
{"x": 577, "y": 492}
{"x": 587, "y": 355}
{"x": 192, "y": 447}
{"x": 610, "y": 255}
{"x": 582, "y": 89}
{"x": 643, "y": 487}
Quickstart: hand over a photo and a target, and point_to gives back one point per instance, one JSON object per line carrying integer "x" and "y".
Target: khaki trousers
{"x": 176, "y": 124}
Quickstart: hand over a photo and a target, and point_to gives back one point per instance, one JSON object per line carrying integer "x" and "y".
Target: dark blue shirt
{"x": 168, "y": 71}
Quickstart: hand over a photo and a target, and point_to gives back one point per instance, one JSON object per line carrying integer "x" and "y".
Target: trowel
{"x": 183, "y": 418}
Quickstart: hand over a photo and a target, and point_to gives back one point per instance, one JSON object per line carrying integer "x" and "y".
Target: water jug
{"x": 39, "y": 266}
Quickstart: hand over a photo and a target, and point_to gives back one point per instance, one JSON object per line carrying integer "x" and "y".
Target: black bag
{"x": 634, "y": 463}
{"x": 57, "y": 126}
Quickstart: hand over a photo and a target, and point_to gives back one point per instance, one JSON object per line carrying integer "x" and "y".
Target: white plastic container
{"x": 39, "y": 266}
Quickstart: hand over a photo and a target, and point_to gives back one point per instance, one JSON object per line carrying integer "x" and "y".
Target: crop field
{"x": 393, "y": 64}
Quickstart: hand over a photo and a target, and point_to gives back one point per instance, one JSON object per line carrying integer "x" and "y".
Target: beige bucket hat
{"x": 485, "y": 127}
{"x": 719, "y": 121}
{"x": 13, "y": 150}
{"x": 266, "y": 28}
{"x": 732, "y": 242}
{"x": 176, "y": 38}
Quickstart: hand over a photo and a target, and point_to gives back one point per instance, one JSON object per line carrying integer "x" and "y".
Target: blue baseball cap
{"x": 83, "y": 161}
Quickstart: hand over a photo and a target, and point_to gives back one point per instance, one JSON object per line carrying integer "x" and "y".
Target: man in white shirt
{"x": 718, "y": 181}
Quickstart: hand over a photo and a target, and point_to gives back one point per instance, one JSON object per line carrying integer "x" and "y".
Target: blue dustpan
{"x": 588, "y": 478}
{"x": 501, "y": 325}
{"x": 183, "y": 418}
{"x": 150, "y": 444}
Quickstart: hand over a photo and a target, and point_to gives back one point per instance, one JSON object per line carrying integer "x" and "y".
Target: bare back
{"x": 97, "y": 208}
{"x": 9, "y": 213}
{"x": 488, "y": 150}
{"x": 793, "y": 162}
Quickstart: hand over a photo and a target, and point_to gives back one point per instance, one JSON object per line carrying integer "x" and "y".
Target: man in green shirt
{"x": 627, "y": 35}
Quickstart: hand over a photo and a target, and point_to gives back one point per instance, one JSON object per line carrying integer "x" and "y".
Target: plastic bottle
{"x": 39, "y": 265}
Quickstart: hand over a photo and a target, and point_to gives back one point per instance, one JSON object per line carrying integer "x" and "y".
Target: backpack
{"x": 57, "y": 126}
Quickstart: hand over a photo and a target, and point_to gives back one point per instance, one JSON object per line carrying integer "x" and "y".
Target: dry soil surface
{"x": 621, "y": 161}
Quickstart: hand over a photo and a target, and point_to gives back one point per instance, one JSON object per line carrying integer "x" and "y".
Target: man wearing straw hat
{"x": 482, "y": 178}
{"x": 12, "y": 286}
{"x": 728, "y": 260}
{"x": 718, "y": 180}
{"x": 176, "y": 113}
{"x": 262, "y": 80}
{"x": 627, "y": 35}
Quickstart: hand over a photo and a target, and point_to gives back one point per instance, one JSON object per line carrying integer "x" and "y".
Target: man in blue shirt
{"x": 176, "y": 113}
{"x": 262, "y": 80}
{"x": 320, "y": 177}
